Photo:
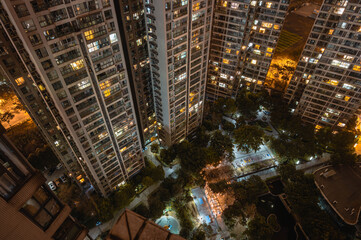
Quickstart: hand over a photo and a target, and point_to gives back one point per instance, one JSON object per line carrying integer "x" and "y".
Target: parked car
{"x": 52, "y": 185}
{"x": 63, "y": 178}
{"x": 57, "y": 182}
{"x": 59, "y": 166}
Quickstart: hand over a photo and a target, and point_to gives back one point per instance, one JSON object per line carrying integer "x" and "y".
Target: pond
{"x": 269, "y": 204}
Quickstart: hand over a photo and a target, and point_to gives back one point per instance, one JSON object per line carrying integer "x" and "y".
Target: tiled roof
{"x": 132, "y": 226}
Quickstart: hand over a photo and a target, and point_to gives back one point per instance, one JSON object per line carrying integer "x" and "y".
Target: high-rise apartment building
{"x": 134, "y": 38}
{"x": 244, "y": 37}
{"x": 73, "y": 54}
{"x": 178, "y": 40}
{"x": 29, "y": 210}
{"x": 326, "y": 86}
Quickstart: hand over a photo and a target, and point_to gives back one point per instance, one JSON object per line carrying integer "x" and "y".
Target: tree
{"x": 199, "y": 234}
{"x": 7, "y": 117}
{"x": 221, "y": 143}
{"x": 258, "y": 229}
{"x": 228, "y": 126}
{"x": 248, "y": 138}
{"x": 147, "y": 181}
{"x": 105, "y": 209}
{"x": 347, "y": 158}
{"x": 219, "y": 187}
{"x": 247, "y": 103}
{"x": 43, "y": 157}
{"x": 68, "y": 193}
{"x": 154, "y": 148}
{"x": 202, "y": 138}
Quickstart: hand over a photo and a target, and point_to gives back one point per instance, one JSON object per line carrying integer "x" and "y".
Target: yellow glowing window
{"x": 268, "y": 4}
{"x": 262, "y": 30}
{"x": 19, "y": 81}
{"x": 254, "y": 61}
{"x": 276, "y": 26}
{"x": 81, "y": 180}
{"x": 216, "y": 69}
{"x": 332, "y": 82}
{"x": 269, "y": 49}
{"x": 322, "y": 50}
{"x": 257, "y": 46}
{"x": 104, "y": 85}
{"x": 340, "y": 124}
{"x": 214, "y": 82}
{"x": 77, "y": 64}
{"x": 359, "y": 30}
{"x": 237, "y": 52}
{"x": 254, "y": 27}
{"x": 330, "y": 32}
{"x": 123, "y": 149}
{"x": 182, "y": 110}
{"x": 128, "y": 18}
{"x": 357, "y": 68}
{"x": 107, "y": 93}
{"x": 41, "y": 87}
{"x": 347, "y": 98}
{"x": 259, "y": 82}
{"x": 224, "y": 4}
{"x": 268, "y": 55}
{"x": 267, "y": 25}
{"x": 196, "y": 6}
{"x": 226, "y": 61}
{"x": 228, "y": 50}
{"x": 89, "y": 35}
{"x": 318, "y": 127}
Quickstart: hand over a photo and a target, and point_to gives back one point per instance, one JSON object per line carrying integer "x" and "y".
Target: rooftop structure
{"x": 131, "y": 225}
{"x": 29, "y": 209}
{"x": 341, "y": 188}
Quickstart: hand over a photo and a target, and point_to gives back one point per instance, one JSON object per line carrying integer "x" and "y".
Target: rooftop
{"x": 131, "y": 225}
{"x": 340, "y": 186}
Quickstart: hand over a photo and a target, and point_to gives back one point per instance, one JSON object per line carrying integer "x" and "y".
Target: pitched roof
{"x": 132, "y": 226}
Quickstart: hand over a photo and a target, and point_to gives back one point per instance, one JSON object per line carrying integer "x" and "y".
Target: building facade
{"x": 244, "y": 37}
{"x": 75, "y": 59}
{"x": 133, "y": 34}
{"x": 326, "y": 86}
{"x": 178, "y": 43}
{"x": 29, "y": 210}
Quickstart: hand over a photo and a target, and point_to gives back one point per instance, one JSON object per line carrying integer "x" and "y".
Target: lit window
{"x": 222, "y": 75}
{"x": 258, "y": 52}
{"x": 262, "y": 30}
{"x": 332, "y": 82}
{"x": 222, "y": 85}
{"x": 104, "y": 85}
{"x": 357, "y": 68}
{"x": 346, "y": 98}
{"x": 234, "y": 5}
{"x": 330, "y": 32}
{"x": 268, "y": 55}
{"x": 267, "y": 25}
{"x": 113, "y": 38}
{"x": 339, "y": 96}
{"x": 228, "y": 50}
{"x": 77, "y": 64}
{"x": 348, "y": 86}
{"x": 340, "y": 64}
{"x": 254, "y": 61}
{"x": 340, "y": 124}
{"x": 139, "y": 42}
{"x": 107, "y": 93}
{"x": 224, "y": 3}
{"x": 268, "y": 4}
{"x": 226, "y": 61}
{"x": 259, "y": 82}
{"x": 89, "y": 35}
{"x": 276, "y": 26}
{"x": 19, "y": 81}
{"x": 196, "y": 6}
{"x": 254, "y": 27}
{"x": 253, "y": 3}
{"x": 41, "y": 87}
{"x": 257, "y": 46}
{"x": 339, "y": 11}
{"x": 269, "y": 49}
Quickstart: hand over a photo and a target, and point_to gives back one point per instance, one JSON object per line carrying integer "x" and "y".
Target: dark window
{"x": 42, "y": 208}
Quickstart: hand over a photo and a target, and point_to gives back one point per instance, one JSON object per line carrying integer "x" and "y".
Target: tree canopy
{"x": 248, "y": 137}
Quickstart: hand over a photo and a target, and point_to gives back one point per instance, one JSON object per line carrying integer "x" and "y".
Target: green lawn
{"x": 286, "y": 40}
